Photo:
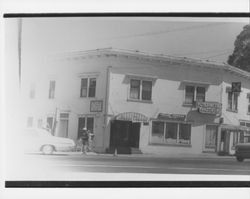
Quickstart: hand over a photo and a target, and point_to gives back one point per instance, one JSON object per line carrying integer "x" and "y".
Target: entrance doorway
{"x": 210, "y": 141}
{"x": 124, "y": 135}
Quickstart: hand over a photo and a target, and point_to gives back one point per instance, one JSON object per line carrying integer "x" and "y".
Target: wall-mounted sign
{"x": 175, "y": 117}
{"x": 213, "y": 108}
{"x": 236, "y": 86}
{"x": 96, "y": 106}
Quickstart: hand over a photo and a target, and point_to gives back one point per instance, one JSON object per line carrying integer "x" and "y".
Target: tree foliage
{"x": 241, "y": 55}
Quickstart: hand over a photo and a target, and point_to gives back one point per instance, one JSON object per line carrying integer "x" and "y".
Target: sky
{"x": 201, "y": 38}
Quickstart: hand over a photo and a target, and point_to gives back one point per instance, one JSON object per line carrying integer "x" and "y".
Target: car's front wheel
{"x": 47, "y": 149}
{"x": 239, "y": 159}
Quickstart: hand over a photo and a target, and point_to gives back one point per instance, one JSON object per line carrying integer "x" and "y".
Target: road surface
{"x": 77, "y": 165}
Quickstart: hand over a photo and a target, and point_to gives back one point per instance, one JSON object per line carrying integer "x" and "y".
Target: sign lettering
{"x": 96, "y": 106}
{"x": 213, "y": 108}
{"x": 176, "y": 117}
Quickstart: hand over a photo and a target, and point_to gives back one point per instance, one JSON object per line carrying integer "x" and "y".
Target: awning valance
{"x": 235, "y": 127}
{"x": 175, "y": 117}
{"x": 132, "y": 116}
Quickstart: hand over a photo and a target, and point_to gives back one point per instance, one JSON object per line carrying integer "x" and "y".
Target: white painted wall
{"x": 167, "y": 95}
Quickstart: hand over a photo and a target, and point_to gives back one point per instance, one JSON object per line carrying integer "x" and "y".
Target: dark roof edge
{"x": 162, "y": 57}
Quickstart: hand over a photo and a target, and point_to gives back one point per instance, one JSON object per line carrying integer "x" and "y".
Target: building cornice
{"x": 158, "y": 58}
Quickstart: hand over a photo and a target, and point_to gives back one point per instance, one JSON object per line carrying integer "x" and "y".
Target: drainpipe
{"x": 218, "y": 148}
{"x": 106, "y": 104}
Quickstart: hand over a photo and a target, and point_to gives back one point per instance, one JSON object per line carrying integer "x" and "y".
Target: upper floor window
{"x": 248, "y": 107}
{"x": 140, "y": 89}
{"x": 194, "y": 93}
{"x": 232, "y": 100}
{"x": 52, "y": 86}
{"x": 88, "y": 87}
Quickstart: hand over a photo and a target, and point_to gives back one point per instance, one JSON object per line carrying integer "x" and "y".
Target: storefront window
{"x": 174, "y": 133}
{"x": 171, "y": 132}
{"x": 184, "y": 133}
{"x": 157, "y": 131}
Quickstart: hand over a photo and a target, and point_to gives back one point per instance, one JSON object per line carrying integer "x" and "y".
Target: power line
{"x": 168, "y": 31}
{"x": 204, "y": 52}
{"x": 217, "y": 55}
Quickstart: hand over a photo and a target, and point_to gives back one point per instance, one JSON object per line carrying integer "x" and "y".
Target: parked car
{"x": 41, "y": 140}
{"x": 242, "y": 151}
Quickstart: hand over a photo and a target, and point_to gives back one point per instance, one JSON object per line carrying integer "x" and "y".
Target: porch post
{"x": 218, "y": 140}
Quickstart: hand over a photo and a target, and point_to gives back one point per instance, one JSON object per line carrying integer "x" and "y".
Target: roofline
{"x": 155, "y": 57}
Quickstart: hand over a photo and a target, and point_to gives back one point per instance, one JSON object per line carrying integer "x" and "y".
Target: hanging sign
{"x": 236, "y": 87}
{"x": 96, "y": 106}
{"x": 213, "y": 108}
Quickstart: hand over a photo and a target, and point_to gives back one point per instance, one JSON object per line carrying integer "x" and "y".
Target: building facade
{"x": 135, "y": 102}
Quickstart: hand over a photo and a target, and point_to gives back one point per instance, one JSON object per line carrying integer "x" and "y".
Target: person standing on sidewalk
{"x": 84, "y": 139}
{"x": 90, "y": 140}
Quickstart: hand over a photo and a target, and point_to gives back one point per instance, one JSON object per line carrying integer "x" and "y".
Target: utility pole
{"x": 20, "y": 51}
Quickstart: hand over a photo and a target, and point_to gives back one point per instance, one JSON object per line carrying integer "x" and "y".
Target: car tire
{"x": 47, "y": 149}
{"x": 239, "y": 159}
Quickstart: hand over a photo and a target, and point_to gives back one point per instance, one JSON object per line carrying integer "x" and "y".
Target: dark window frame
{"x": 195, "y": 94}
{"x": 88, "y": 87}
{"x": 144, "y": 93}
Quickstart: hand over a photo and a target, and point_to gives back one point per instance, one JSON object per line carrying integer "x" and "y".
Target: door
{"x": 124, "y": 134}
{"x": 63, "y": 128}
{"x": 134, "y": 135}
{"x": 119, "y": 135}
{"x": 210, "y": 138}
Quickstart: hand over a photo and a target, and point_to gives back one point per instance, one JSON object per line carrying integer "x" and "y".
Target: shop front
{"x": 231, "y": 135}
{"x": 125, "y": 132}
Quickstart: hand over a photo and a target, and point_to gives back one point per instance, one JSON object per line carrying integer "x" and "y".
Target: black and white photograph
{"x": 104, "y": 98}
{"x": 123, "y": 99}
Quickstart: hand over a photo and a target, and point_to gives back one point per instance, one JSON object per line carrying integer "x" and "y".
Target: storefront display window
{"x": 157, "y": 132}
{"x": 171, "y": 133}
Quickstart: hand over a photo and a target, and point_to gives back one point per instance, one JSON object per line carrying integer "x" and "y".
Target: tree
{"x": 241, "y": 55}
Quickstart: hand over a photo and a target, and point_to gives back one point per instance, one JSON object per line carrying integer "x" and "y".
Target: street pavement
{"x": 77, "y": 166}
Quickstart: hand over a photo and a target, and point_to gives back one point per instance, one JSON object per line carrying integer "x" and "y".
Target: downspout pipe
{"x": 106, "y": 104}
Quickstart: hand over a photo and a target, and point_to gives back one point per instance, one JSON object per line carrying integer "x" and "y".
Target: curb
{"x": 185, "y": 156}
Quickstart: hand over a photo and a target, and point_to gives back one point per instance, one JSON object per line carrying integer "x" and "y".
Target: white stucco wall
{"x": 167, "y": 95}
{"x": 233, "y": 118}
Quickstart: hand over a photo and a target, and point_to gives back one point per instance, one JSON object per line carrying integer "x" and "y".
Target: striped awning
{"x": 132, "y": 116}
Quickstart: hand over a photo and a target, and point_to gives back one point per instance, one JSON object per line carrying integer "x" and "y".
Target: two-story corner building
{"x": 135, "y": 102}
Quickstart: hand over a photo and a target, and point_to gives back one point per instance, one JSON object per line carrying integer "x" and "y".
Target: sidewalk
{"x": 144, "y": 155}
